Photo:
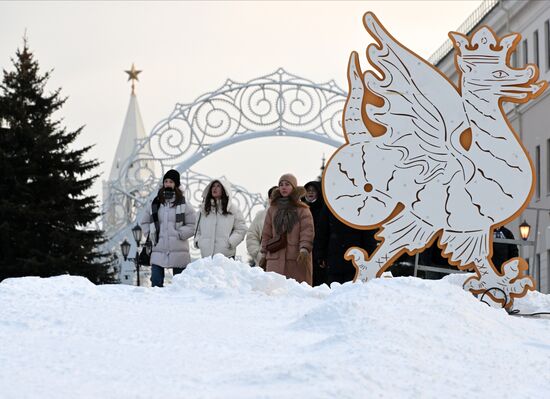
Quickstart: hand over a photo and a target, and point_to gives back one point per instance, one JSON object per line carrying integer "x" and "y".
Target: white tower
{"x": 118, "y": 208}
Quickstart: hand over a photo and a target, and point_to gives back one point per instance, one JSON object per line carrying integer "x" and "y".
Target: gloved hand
{"x": 263, "y": 262}
{"x": 303, "y": 258}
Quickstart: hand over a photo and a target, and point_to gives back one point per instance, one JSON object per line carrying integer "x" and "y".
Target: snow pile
{"x": 226, "y": 330}
{"x": 219, "y": 275}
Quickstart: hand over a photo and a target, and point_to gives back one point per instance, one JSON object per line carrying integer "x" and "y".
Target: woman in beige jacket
{"x": 289, "y": 216}
{"x": 254, "y": 234}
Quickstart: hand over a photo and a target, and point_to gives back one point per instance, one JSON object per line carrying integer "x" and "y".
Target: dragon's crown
{"x": 483, "y": 43}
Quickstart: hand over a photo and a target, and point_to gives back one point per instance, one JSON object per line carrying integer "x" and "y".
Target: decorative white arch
{"x": 275, "y": 105}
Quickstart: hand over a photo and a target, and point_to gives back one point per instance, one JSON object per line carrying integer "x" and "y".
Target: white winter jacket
{"x": 172, "y": 248}
{"x": 254, "y": 236}
{"x": 217, "y": 233}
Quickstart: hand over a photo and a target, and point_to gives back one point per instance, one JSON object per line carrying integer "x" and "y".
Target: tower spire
{"x": 133, "y": 76}
{"x": 320, "y": 177}
{"x": 132, "y": 130}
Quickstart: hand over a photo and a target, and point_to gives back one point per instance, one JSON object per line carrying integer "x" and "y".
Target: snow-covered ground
{"x": 225, "y": 330}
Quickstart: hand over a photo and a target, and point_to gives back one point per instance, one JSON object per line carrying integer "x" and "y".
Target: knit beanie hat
{"x": 289, "y": 178}
{"x": 173, "y": 175}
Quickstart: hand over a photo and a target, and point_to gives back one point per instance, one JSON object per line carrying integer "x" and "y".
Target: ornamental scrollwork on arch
{"x": 279, "y": 104}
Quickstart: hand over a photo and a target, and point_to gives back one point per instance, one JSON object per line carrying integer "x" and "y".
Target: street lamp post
{"x": 136, "y": 232}
{"x": 125, "y": 249}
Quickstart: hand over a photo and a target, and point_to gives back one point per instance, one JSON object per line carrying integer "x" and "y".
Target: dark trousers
{"x": 157, "y": 275}
{"x": 319, "y": 275}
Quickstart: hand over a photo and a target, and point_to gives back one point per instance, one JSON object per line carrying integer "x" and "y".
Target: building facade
{"x": 531, "y": 121}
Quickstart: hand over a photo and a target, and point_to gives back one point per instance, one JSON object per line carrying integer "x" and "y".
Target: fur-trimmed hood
{"x": 227, "y": 188}
{"x": 295, "y": 196}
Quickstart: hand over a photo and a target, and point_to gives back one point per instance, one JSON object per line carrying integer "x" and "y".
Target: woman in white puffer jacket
{"x": 174, "y": 223}
{"x": 221, "y": 226}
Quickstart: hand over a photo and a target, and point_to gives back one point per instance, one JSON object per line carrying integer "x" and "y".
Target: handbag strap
{"x": 198, "y": 221}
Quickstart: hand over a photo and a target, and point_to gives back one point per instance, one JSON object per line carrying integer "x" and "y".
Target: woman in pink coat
{"x": 288, "y": 217}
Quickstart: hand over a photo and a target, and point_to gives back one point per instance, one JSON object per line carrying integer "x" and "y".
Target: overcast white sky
{"x": 188, "y": 48}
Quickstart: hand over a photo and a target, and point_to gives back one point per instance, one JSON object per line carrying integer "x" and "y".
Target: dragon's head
{"x": 483, "y": 60}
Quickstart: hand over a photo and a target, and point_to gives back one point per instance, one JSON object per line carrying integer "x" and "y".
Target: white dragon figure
{"x": 427, "y": 160}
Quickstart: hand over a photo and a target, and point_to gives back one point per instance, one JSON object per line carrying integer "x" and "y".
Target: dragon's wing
{"x": 422, "y": 110}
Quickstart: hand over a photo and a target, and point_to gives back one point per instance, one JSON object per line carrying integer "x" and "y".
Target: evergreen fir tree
{"x": 44, "y": 211}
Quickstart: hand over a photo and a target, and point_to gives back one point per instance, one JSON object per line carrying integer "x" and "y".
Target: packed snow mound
{"x": 388, "y": 299}
{"x": 59, "y": 286}
{"x": 225, "y": 330}
{"x": 219, "y": 274}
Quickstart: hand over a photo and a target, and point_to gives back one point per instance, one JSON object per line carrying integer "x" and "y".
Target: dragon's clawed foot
{"x": 502, "y": 288}
{"x": 358, "y": 256}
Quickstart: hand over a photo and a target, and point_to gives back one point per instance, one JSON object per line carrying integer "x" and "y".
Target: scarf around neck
{"x": 286, "y": 216}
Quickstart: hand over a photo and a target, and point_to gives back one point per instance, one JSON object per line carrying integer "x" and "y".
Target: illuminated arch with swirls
{"x": 276, "y": 105}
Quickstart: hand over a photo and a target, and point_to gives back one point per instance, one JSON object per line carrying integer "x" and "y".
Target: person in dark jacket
{"x": 314, "y": 199}
{"x": 333, "y": 240}
{"x": 503, "y": 252}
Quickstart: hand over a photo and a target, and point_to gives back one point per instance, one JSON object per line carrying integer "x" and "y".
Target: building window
{"x": 537, "y": 171}
{"x": 525, "y": 52}
{"x": 547, "y": 41}
{"x": 536, "y": 47}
